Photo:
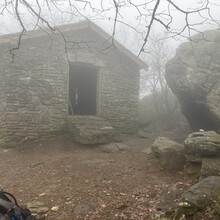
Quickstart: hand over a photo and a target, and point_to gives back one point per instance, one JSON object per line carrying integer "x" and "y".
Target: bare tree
{"x": 153, "y": 86}
{"x": 146, "y": 14}
{"x": 153, "y": 82}
{"x": 158, "y": 55}
{"x": 155, "y": 91}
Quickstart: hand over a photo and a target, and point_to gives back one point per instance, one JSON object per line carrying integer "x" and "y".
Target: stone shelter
{"x": 57, "y": 74}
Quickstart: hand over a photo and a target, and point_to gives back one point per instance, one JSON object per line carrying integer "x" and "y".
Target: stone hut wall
{"x": 35, "y": 90}
{"x": 120, "y": 94}
{"x": 34, "y": 87}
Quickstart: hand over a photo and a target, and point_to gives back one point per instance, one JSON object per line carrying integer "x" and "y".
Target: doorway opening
{"x": 82, "y": 89}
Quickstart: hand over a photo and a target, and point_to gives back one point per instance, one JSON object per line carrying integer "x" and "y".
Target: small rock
{"x": 83, "y": 208}
{"x": 37, "y": 207}
{"x": 109, "y": 148}
{"x": 146, "y": 151}
{"x": 55, "y": 208}
{"x": 118, "y": 138}
{"x": 123, "y": 147}
{"x": 42, "y": 194}
{"x": 143, "y": 134}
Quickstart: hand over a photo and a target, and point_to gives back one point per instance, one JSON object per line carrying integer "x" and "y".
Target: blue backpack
{"x": 10, "y": 210}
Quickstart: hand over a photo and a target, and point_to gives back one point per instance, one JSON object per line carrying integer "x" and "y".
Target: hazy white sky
{"x": 128, "y": 14}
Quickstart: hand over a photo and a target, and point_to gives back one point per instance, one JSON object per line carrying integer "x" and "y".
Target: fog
{"x": 75, "y": 140}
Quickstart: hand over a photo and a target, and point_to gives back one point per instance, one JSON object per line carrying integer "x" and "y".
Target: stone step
{"x": 90, "y": 130}
{"x": 80, "y": 118}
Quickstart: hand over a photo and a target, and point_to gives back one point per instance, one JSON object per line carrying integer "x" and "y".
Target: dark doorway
{"x": 82, "y": 89}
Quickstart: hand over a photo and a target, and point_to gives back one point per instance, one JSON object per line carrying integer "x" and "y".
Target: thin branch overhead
{"x": 141, "y": 16}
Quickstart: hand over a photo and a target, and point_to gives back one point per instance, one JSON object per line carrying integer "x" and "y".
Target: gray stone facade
{"x": 34, "y": 87}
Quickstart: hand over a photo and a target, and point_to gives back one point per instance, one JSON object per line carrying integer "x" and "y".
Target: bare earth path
{"x": 86, "y": 183}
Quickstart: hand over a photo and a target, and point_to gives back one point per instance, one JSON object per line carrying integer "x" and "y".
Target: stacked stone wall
{"x": 34, "y": 87}
{"x": 35, "y": 90}
{"x": 119, "y": 94}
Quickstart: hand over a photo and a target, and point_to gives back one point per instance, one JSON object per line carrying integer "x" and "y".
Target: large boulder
{"x": 170, "y": 153}
{"x": 193, "y": 76}
{"x": 200, "y": 194}
{"x": 204, "y": 143}
{"x": 203, "y": 153}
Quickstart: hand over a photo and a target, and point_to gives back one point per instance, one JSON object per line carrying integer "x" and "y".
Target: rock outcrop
{"x": 203, "y": 151}
{"x": 194, "y": 77}
{"x": 203, "y": 143}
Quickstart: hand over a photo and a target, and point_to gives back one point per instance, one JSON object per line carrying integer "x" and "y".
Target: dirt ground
{"x": 86, "y": 183}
